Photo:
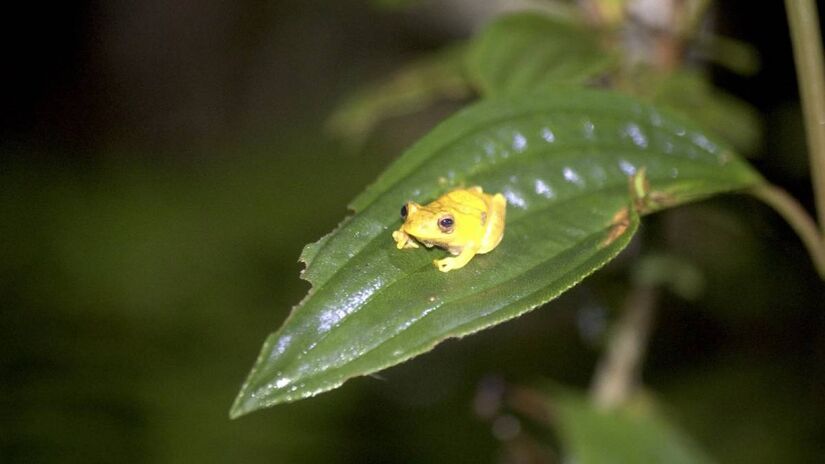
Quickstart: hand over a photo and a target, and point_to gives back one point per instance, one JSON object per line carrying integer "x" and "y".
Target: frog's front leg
{"x": 464, "y": 257}
{"x": 403, "y": 240}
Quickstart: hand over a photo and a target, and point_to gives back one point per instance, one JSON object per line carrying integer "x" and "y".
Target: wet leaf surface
{"x": 561, "y": 159}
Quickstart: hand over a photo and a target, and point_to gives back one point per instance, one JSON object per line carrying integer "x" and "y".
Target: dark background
{"x": 163, "y": 163}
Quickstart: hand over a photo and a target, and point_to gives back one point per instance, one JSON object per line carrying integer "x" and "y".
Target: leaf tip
{"x": 241, "y": 406}
{"x": 250, "y": 398}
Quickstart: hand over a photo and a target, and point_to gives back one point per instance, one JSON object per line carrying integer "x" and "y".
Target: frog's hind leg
{"x": 495, "y": 224}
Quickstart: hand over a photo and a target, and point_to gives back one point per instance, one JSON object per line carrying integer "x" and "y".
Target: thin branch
{"x": 803, "y": 21}
{"x": 617, "y": 375}
{"x": 799, "y": 220}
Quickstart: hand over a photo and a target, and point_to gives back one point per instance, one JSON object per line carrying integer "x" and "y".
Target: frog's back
{"x": 466, "y": 200}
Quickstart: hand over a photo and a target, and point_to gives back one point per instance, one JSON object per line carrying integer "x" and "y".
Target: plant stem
{"x": 799, "y": 220}
{"x": 803, "y": 21}
{"x": 617, "y": 374}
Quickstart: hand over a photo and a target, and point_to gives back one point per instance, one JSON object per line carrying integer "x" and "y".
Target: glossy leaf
{"x": 526, "y": 52}
{"x": 561, "y": 159}
{"x": 692, "y": 95}
{"x": 632, "y": 434}
{"x": 416, "y": 86}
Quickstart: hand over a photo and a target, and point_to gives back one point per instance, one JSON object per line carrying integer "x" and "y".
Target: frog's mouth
{"x": 429, "y": 236}
{"x": 431, "y": 243}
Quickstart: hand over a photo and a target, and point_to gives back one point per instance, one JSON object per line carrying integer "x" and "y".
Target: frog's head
{"x": 426, "y": 223}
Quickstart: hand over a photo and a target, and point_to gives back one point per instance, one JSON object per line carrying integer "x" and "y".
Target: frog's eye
{"x": 404, "y": 211}
{"x": 446, "y": 224}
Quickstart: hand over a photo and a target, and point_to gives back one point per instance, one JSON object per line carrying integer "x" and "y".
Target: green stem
{"x": 803, "y": 21}
{"x": 799, "y": 220}
{"x": 618, "y": 373}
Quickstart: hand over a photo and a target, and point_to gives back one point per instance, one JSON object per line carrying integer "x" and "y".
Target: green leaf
{"x": 412, "y": 88}
{"x": 526, "y": 52}
{"x": 692, "y": 95}
{"x": 633, "y": 434}
{"x": 394, "y": 4}
{"x": 735, "y": 55}
{"x": 561, "y": 159}
{"x": 670, "y": 271}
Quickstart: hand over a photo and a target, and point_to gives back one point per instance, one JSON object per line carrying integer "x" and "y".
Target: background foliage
{"x": 162, "y": 169}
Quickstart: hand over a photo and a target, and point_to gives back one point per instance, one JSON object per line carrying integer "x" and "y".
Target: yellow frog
{"x": 465, "y": 222}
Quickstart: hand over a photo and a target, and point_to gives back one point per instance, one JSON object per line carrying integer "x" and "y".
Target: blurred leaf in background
{"x": 416, "y": 86}
{"x": 633, "y": 434}
{"x": 528, "y": 52}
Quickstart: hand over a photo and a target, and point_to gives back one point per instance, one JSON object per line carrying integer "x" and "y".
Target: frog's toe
{"x": 448, "y": 264}
{"x": 443, "y": 265}
{"x": 402, "y": 240}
